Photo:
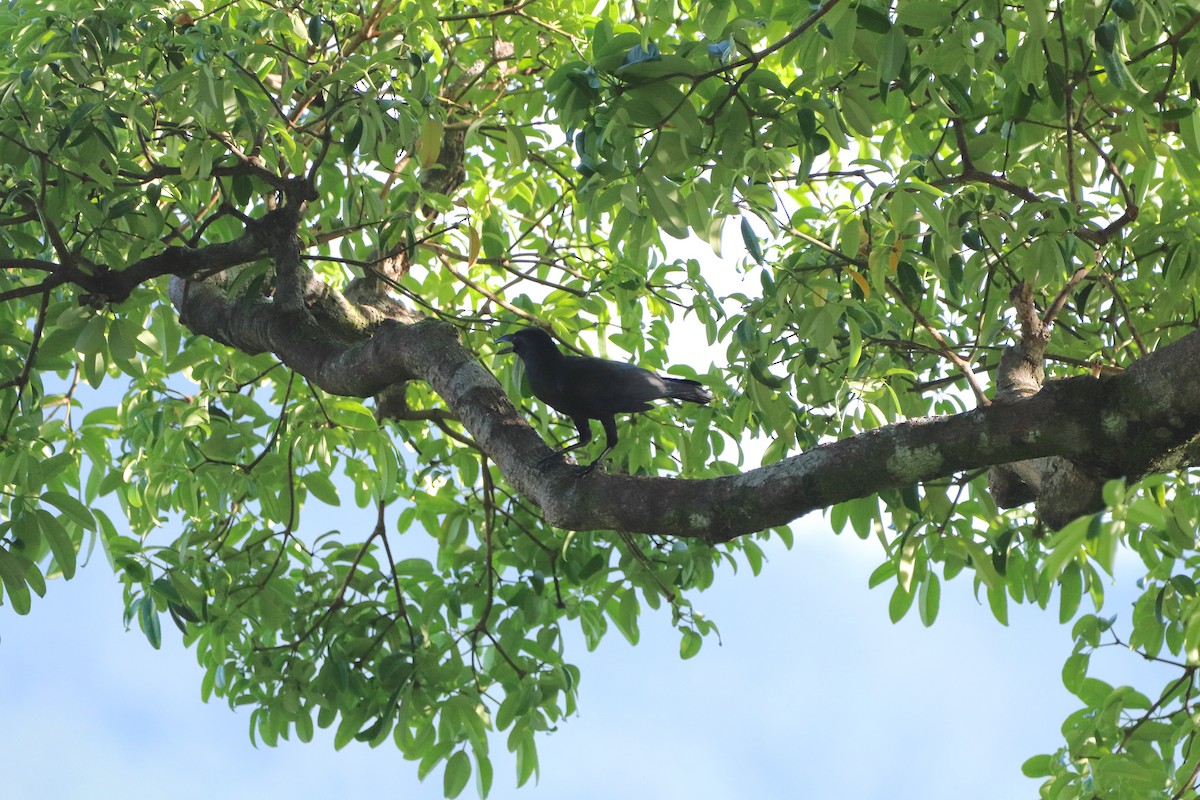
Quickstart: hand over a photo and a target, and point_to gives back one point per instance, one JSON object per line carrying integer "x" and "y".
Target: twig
{"x": 22, "y": 379}
{"x": 1063, "y": 295}
{"x": 401, "y": 607}
{"x": 965, "y": 368}
{"x": 1112, "y": 288}
{"x": 489, "y": 530}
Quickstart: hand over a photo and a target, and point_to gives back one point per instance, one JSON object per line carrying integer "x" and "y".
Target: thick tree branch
{"x": 1124, "y": 425}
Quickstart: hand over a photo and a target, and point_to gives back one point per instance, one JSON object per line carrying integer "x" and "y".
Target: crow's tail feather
{"x": 684, "y": 389}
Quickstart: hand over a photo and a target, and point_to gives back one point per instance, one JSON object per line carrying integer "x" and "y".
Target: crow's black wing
{"x": 598, "y": 387}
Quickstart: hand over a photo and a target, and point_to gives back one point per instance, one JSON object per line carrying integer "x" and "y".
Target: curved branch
{"x": 1123, "y": 424}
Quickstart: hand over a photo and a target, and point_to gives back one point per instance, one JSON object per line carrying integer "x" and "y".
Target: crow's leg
{"x": 585, "y": 436}
{"x": 610, "y": 441}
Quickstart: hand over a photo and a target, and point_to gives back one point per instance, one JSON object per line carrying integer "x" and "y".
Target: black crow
{"x": 592, "y": 388}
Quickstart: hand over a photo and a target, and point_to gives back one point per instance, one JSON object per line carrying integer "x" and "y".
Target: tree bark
{"x": 1061, "y": 489}
{"x": 1144, "y": 419}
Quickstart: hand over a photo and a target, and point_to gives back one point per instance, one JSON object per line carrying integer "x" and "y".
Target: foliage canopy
{"x": 238, "y": 215}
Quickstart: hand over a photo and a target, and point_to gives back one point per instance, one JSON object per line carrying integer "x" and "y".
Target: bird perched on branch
{"x": 592, "y": 388}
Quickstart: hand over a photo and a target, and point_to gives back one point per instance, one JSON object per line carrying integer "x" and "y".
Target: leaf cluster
{"x": 893, "y": 172}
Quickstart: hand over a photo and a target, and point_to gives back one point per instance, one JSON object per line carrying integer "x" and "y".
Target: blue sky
{"x": 813, "y": 693}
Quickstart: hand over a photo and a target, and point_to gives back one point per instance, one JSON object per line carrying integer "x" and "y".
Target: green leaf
{"x": 93, "y": 350}
{"x": 322, "y": 488}
{"x": 1117, "y": 71}
{"x": 304, "y": 727}
{"x": 892, "y": 54}
{"x": 910, "y": 282}
{"x": 72, "y": 508}
{"x": 1106, "y": 36}
{"x": 353, "y": 138}
{"x": 750, "y": 238}
{"x": 417, "y": 567}
{"x": 315, "y": 24}
{"x": 351, "y": 414}
{"x": 925, "y": 15}
{"x": 981, "y": 561}
{"x": 1038, "y": 767}
{"x": 122, "y": 345}
{"x": 998, "y": 602}
{"x": 181, "y": 615}
{"x": 429, "y": 143}
{"x": 872, "y": 19}
{"x": 527, "y": 759}
{"x": 1108, "y": 42}
{"x": 12, "y": 575}
{"x": 760, "y": 373}
{"x": 854, "y": 352}
{"x": 958, "y": 95}
{"x": 458, "y": 773}
{"x": 243, "y": 189}
{"x": 625, "y": 615}
{"x": 149, "y": 622}
{"x": 663, "y": 200}
{"x": 60, "y": 542}
{"x": 1071, "y": 588}
{"x": 928, "y": 599}
{"x": 483, "y": 774}
{"x": 163, "y": 588}
{"x": 882, "y": 573}
{"x": 859, "y": 115}
{"x": 690, "y": 644}
{"x": 899, "y": 604}
{"x": 1074, "y": 671}
{"x": 666, "y": 66}
{"x": 1066, "y": 545}
{"x": 1125, "y": 9}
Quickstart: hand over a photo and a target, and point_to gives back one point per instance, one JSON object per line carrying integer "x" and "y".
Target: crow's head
{"x": 526, "y": 340}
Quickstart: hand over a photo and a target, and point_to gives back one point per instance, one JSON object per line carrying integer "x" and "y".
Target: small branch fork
{"x": 973, "y": 174}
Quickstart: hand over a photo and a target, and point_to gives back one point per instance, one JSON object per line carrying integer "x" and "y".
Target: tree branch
{"x": 1123, "y": 424}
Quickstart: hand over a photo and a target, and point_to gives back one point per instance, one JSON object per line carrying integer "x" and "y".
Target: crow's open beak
{"x": 507, "y": 339}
